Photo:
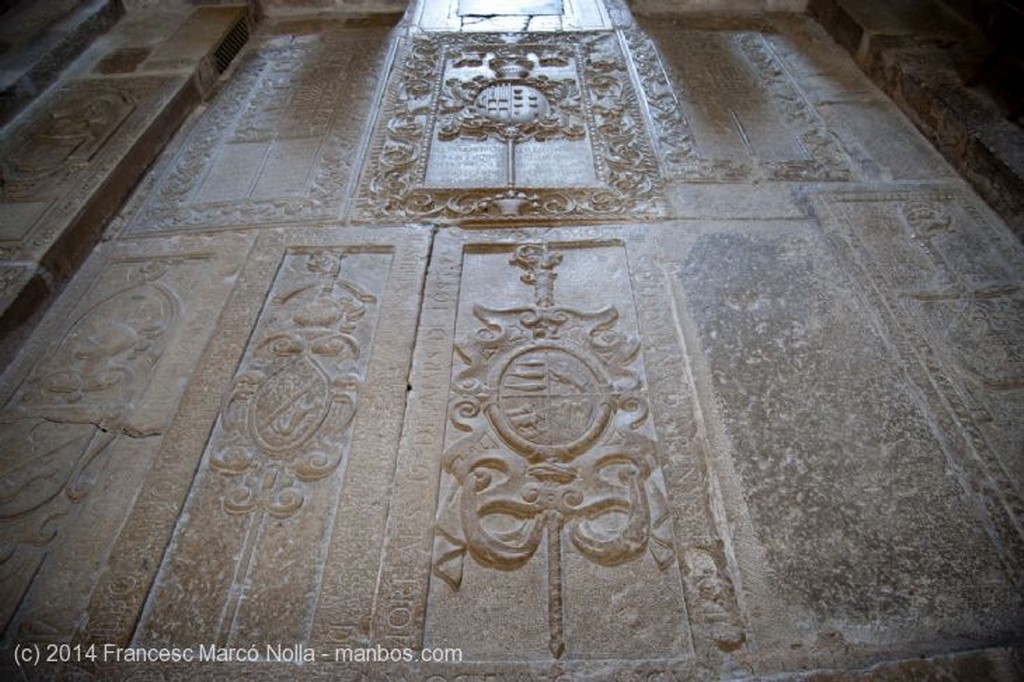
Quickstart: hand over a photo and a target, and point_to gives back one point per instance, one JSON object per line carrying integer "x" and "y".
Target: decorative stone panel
{"x": 506, "y": 127}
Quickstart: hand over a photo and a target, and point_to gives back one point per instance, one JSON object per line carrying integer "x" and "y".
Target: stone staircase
{"x": 71, "y": 152}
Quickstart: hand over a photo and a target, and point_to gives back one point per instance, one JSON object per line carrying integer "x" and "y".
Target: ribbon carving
{"x": 555, "y": 446}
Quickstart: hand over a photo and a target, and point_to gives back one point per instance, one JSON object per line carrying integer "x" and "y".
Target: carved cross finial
{"x": 540, "y": 264}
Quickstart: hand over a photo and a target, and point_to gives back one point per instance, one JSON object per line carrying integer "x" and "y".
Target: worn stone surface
{"x": 93, "y": 393}
{"x": 299, "y": 448}
{"x": 649, "y": 351}
{"x": 55, "y": 161}
{"x": 922, "y": 54}
{"x": 951, "y": 284}
{"x": 845, "y": 475}
{"x": 278, "y": 144}
{"x": 725, "y": 109}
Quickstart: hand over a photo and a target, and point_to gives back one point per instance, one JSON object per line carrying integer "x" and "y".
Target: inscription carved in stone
{"x": 510, "y": 127}
{"x": 729, "y": 112}
{"x": 556, "y": 389}
{"x": 277, "y": 459}
{"x": 277, "y": 145}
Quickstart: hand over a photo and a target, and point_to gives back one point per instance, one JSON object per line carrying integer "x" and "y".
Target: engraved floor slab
{"x": 560, "y": 499}
{"x": 56, "y": 159}
{"x": 278, "y": 144}
{"x": 726, "y": 110}
{"x": 947, "y": 280}
{"x": 91, "y": 397}
{"x": 868, "y": 526}
{"x": 510, "y": 127}
{"x": 289, "y": 483}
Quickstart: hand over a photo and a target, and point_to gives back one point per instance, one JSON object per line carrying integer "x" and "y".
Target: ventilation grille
{"x": 231, "y": 45}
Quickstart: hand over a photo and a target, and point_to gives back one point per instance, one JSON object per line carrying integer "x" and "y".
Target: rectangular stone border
{"x": 137, "y": 554}
{"x": 400, "y": 611}
{"x": 979, "y": 471}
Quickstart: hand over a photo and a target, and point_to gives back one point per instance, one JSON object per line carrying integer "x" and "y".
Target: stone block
{"x": 566, "y": 487}
{"x": 946, "y": 278}
{"x": 725, "y": 110}
{"x": 509, "y": 127}
{"x": 278, "y": 144}
{"x": 70, "y": 161}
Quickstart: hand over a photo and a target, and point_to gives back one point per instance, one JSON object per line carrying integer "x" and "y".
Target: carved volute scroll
{"x": 552, "y": 410}
{"x": 550, "y": 126}
{"x": 284, "y": 419}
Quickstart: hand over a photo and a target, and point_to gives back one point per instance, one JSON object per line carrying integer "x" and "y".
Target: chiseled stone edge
{"x": 922, "y": 79}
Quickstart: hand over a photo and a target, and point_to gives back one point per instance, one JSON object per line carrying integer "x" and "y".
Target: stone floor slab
{"x": 88, "y": 402}
{"x": 725, "y": 109}
{"x": 319, "y": 342}
{"x": 867, "y": 528}
{"x": 496, "y": 113}
{"x": 545, "y": 472}
{"x": 278, "y": 144}
{"x": 946, "y": 278}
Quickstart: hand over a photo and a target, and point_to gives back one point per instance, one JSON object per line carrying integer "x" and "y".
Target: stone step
{"x": 921, "y": 55}
{"x": 38, "y": 40}
{"x": 68, "y": 161}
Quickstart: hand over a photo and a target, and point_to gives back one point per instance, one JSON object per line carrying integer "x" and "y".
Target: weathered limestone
{"x": 297, "y": 458}
{"x": 509, "y": 127}
{"x": 90, "y": 399}
{"x": 278, "y": 144}
{"x": 921, "y": 55}
{"x": 70, "y": 160}
{"x": 639, "y": 352}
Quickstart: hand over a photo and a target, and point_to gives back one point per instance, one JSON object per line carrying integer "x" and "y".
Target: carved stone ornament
{"x": 56, "y": 434}
{"x": 552, "y": 413}
{"x": 755, "y": 80}
{"x": 461, "y": 101}
{"x": 289, "y": 409}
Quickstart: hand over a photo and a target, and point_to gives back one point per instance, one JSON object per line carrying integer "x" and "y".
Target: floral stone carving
{"x": 510, "y": 128}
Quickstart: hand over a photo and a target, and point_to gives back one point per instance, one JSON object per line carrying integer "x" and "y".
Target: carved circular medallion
{"x": 511, "y": 103}
{"x": 550, "y": 401}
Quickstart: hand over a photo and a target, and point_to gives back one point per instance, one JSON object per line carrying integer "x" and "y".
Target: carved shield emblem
{"x": 290, "y": 404}
{"x": 549, "y": 401}
{"x": 511, "y": 103}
